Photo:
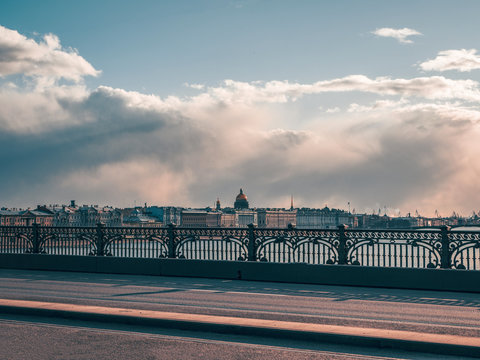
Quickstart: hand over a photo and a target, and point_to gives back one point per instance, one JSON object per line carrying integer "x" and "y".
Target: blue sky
{"x": 157, "y": 46}
{"x": 178, "y": 102}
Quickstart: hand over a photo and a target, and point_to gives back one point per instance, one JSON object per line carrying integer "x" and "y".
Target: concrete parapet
{"x": 426, "y": 279}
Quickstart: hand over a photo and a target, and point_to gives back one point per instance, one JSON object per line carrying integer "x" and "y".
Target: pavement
{"x": 448, "y": 340}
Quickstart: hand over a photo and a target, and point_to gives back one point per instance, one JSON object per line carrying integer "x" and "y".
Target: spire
{"x": 291, "y": 202}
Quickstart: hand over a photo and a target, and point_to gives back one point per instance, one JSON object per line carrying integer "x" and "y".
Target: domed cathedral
{"x": 241, "y": 201}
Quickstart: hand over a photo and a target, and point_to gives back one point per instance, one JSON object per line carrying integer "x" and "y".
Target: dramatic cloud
{"x": 115, "y": 146}
{"x": 461, "y": 60}
{"x": 400, "y": 34}
{"x": 46, "y": 59}
{"x": 413, "y": 147}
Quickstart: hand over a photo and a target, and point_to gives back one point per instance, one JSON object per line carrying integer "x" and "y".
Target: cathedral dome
{"x": 241, "y": 201}
{"x": 241, "y": 196}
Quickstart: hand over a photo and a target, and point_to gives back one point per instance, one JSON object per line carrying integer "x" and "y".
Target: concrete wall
{"x": 427, "y": 279}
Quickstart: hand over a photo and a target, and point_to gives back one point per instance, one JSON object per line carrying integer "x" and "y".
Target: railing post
{"x": 100, "y": 239}
{"x": 171, "y": 240}
{"x": 36, "y": 239}
{"x": 445, "y": 255}
{"x": 252, "y": 249}
{"x": 342, "y": 245}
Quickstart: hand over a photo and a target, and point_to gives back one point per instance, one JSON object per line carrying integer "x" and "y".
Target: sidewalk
{"x": 358, "y": 336}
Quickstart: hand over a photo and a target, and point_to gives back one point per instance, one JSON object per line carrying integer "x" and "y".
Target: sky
{"x": 369, "y": 103}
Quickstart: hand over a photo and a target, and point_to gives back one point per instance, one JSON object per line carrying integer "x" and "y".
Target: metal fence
{"x": 434, "y": 248}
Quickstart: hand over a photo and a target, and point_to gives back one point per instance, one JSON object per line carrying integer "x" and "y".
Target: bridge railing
{"x": 431, "y": 248}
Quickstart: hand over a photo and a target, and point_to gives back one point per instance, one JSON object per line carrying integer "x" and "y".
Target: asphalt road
{"x": 47, "y": 339}
{"x": 422, "y": 311}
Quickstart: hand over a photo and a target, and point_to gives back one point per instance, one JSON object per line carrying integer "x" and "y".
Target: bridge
{"x": 326, "y": 290}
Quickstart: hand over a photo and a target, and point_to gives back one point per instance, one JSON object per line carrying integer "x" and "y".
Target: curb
{"x": 377, "y": 338}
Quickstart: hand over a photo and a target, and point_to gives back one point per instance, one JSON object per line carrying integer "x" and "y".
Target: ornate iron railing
{"x": 431, "y": 248}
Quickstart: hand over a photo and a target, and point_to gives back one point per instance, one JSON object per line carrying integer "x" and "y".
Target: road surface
{"x": 412, "y": 310}
{"x": 425, "y": 311}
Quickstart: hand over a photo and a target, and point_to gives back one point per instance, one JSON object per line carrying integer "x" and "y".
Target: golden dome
{"x": 241, "y": 196}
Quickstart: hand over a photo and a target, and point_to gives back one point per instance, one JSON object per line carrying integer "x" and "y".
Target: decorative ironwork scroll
{"x": 211, "y": 244}
{"x": 293, "y": 245}
{"x": 394, "y": 248}
{"x": 464, "y": 247}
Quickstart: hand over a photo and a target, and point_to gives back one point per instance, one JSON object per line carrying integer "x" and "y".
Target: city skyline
{"x": 370, "y": 104}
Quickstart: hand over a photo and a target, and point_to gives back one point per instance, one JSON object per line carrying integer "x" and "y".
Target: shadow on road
{"x": 178, "y": 284}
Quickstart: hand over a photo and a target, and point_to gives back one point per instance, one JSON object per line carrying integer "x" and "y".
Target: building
{"x": 324, "y": 218}
{"x": 243, "y": 218}
{"x": 171, "y": 215}
{"x": 137, "y": 218}
{"x": 85, "y": 215}
{"x": 201, "y": 218}
{"x": 27, "y": 217}
{"x": 228, "y": 219}
{"x": 276, "y": 218}
{"x": 241, "y": 201}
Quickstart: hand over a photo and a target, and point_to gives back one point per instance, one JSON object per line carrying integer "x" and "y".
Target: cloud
{"x": 400, "y": 34}
{"x": 413, "y": 147}
{"x": 115, "y": 146}
{"x": 462, "y": 60}
{"x": 195, "y": 86}
{"x": 154, "y": 182}
{"x": 377, "y": 105}
{"x": 333, "y": 110}
{"x": 433, "y": 88}
{"x": 45, "y": 59}
{"x": 454, "y": 112}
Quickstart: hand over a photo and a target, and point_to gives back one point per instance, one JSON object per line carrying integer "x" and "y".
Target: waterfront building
{"x": 164, "y": 214}
{"x": 200, "y": 218}
{"x": 243, "y": 218}
{"x": 228, "y": 219}
{"x": 225, "y": 218}
{"x": 171, "y": 215}
{"x": 276, "y": 218}
{"x": 27, "y": 217}
{"x": 85, "y": 215}
{"x": 138, "y": 219}
{"x": 324, "y": 218}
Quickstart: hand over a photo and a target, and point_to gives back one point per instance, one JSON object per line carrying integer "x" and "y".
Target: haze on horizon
{"x": 178, "y": 103}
